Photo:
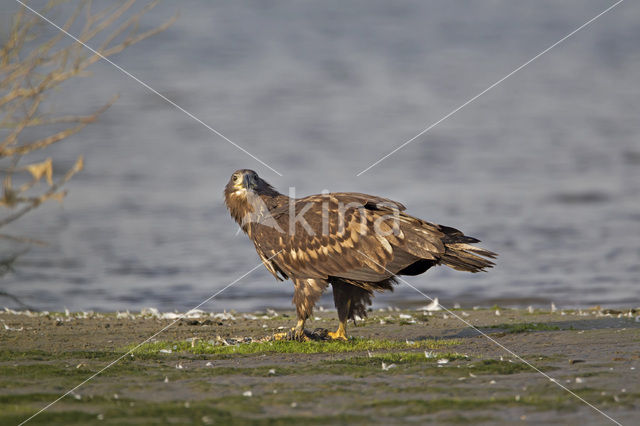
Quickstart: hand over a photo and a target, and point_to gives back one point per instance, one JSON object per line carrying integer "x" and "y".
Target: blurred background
{"x": 544, "y": 169}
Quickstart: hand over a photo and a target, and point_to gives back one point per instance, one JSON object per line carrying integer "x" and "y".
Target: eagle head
{"x": 247, "y": 194}
{"x": 242, "y": 181}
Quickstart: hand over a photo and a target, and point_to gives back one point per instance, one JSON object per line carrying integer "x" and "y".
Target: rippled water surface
{"x": 544, "y": 168}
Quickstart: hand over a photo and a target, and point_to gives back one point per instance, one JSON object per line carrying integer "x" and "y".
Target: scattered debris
{"x": 153, "y": 312}
{"x": 6, "y": 327}
{"x": 124, "y": 315}
{"x": 386, "y": 367}
{"x": 433, "y": 306}
{"x": 225, "y": 341}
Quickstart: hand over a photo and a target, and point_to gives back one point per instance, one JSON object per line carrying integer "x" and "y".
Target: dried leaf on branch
{"x": 32, "y": 67}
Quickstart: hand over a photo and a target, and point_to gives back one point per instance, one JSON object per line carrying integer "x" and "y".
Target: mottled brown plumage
{"x": 356, "y": 242}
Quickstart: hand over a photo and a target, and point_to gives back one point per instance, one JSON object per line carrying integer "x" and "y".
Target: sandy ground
{"x": 594, "y": 353}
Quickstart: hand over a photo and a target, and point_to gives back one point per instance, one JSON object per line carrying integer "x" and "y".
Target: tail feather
{"x": 461, "y": 255}
{"x": 465, "y": 257}
{"x": 444, "y": 245}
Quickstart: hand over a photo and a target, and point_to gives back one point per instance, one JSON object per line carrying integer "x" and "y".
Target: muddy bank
{"x": 399, "y": 367}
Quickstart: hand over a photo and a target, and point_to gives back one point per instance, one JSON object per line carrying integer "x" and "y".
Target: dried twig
{"x": 28, "y": 78}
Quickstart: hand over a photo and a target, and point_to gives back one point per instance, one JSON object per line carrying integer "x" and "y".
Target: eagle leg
{"x": 298, "y": 332}
{"x": 343, "y": 305}
{"x": 306, "y": 294}
{"x": 351, "y": 301}
{"x": 341, "y": 332}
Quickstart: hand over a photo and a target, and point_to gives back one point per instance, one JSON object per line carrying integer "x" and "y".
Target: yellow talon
{"x": 337, "y": 335}
{"x": 296, "y": 333}
{"x": 280, "y": 336}
{"x": 340, "y": 333}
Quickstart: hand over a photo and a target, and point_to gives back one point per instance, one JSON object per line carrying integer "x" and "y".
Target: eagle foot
{"x": 299, "y": 335}
{"x": 296, "y": 334}
{"x": 280, "y": 336}
{"x": 337, "y": 335}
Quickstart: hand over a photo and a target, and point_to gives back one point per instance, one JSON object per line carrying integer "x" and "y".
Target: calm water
{"x": 545, "y": 168}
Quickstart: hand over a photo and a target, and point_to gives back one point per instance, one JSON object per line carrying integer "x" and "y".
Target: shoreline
{"x": 400, "y": 366}
{"x": 282, "y": 302}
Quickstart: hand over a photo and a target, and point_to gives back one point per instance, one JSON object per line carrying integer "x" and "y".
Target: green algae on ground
{"x": 289, "y": 347}
{"x": 526, "y": 327}
{"x": 317, "y": 382}
{"x": 416, "y": 362}
{"x": 408, "y": 407}
{"x": 494, "y": 366}
{"x": 40, "y": 355}
{"x": 428, "y": 406}
{"x": 400, "y": 358}
{"x": 226, "y": 410}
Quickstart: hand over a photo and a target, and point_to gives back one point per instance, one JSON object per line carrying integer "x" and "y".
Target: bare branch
{"x": 52, "y": 192}
{"x": 56, "y": 137}
{"x": 28, "y": 78}
{"x": 23, "y": 240}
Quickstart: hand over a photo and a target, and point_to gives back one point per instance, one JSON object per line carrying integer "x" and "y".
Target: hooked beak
{"x": 247, "y": 182}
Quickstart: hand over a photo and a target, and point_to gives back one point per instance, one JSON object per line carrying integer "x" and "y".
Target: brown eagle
{"x": 356, "y": 242}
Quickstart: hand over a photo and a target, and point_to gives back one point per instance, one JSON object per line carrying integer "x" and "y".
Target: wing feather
{"x": 374, "y": 229}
